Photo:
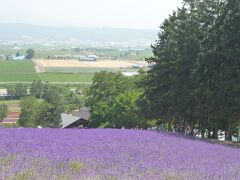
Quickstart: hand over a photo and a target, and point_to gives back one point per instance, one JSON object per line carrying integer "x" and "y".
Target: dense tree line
{"x": 195, "y": 81}
{"x": 17, "y": 91}
{"x": 3, "y": 112}
{"x": 113, "y": 101}
{"x": 42, "y": 104}
{"x": 30, "y": 53}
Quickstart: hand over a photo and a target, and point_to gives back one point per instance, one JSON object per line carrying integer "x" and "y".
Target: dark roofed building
{"x": 79, "y": 119}
{"x": 84, "y": 113}
{"x": 70, "y": 121}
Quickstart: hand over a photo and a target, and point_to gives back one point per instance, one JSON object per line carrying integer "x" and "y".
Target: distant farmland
{"x": 12, "y": 71}
{"x": 62, "y": 71}
{"x": 23, "y": 71}
{"x": 117, "y": 64}
{"x": 67, "y": 77}
{"x": 85, "y": 69}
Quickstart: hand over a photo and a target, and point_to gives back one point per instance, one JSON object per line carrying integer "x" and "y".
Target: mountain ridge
{"x": 105, "y": 34}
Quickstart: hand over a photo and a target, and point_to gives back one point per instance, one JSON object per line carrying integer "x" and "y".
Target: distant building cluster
{"x": 12, "y": 57}
{"x": 18, "y": 58}
{"x": 90, "y": 57}
{"x": 3, "y": 93}
{"x": 136, "y": 66}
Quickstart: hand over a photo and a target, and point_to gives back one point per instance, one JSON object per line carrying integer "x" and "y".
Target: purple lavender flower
{"x": 112, "y": 154}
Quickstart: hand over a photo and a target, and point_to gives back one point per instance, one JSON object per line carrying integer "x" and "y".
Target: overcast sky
{"x": 144, "y": 14}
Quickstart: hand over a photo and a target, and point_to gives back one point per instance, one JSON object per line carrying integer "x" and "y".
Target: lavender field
{"x": 111, "y": 154}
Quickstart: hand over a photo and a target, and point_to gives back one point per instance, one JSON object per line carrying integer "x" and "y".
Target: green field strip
{"x": 67, "y": 77}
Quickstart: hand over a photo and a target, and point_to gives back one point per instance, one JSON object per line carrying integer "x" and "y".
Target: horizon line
{"x": 78, "y": 27}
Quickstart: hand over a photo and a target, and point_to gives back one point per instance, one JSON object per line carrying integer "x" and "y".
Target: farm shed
{"x": 70, "y": 121}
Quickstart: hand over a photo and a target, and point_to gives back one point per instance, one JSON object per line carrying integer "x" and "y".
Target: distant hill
{"x": 34, "y": 32}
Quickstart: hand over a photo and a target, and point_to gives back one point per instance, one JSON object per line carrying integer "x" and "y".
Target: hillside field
{"x": 112, "y": 154}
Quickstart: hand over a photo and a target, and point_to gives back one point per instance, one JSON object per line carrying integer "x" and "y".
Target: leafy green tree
{"x": 56, "y": 99}
{"x": 216, "y": 71}
{"x": 3, "y": 112}
{"x": 73, "y": 102}
{"x": 101, "y": 96}
{"x": 106, "y": 86}
{"x": 170, "y": 87}
{"x": 37, "y": 89}
{"x": 30, "y": 53}
{"x": 29, "y": 112}
{"x": 55, "y": 95}
{"x": 11, "y": 92}
{"x": 101, "y": 114}
{"x": 195, "y": 79}
{"x": 44, "y": 115}
{"x": 20, "y": 91}
{"x": 49, "y": 115}
{"x": 17, "y": 54}
{"x": 226, "y": 48}
{"x": 125, "y": 112}
{"x": 17, "y": 91}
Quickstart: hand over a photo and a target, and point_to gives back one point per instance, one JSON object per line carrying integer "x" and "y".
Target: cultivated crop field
{"x": 82, "y": 64}
{"x": 67, "y": 77}
{"x": 12, "y": 71}
{"x": 112, "y": 154}
{"x": 62, "y": 71}
{"x": 85, "y": 70}
{"x": 75, "y": 66}
{"x": 23, "y": 71}
{"x": 80, "y": 71}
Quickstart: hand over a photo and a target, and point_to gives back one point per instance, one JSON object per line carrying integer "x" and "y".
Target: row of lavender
{"x": 111, "y": 154}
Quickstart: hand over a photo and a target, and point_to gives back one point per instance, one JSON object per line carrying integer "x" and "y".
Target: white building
{"x": 18, "y": 58}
